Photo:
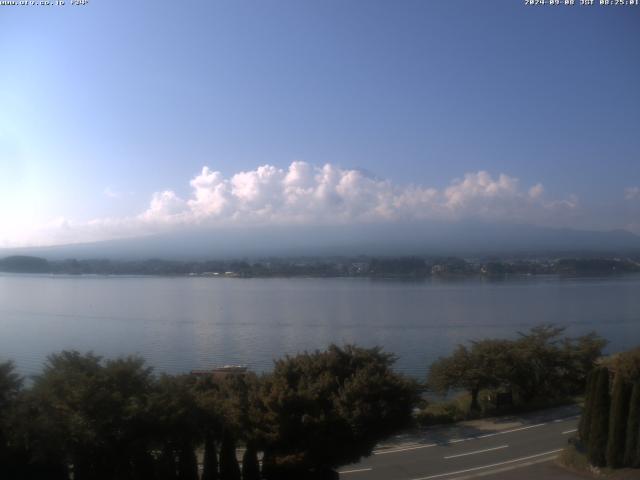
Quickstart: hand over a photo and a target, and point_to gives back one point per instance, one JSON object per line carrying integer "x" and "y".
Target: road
{"x": 467, "y": 456}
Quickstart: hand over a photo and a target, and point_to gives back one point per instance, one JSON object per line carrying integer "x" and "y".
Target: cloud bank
{"x": 304, "y": 194}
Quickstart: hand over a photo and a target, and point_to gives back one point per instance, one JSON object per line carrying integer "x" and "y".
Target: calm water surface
{"x": 179, "y": 324}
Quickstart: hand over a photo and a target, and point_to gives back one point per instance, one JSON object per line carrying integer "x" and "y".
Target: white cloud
{"x": 166, "y": 207}
{"x": 307, "y": 194}
{"x": 631, "y": 193}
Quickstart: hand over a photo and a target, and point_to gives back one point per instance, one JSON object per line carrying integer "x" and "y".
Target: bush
{"x": 439, "y": 413}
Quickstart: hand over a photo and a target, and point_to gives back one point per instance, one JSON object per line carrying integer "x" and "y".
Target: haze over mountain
{"x": 425, "y": 238}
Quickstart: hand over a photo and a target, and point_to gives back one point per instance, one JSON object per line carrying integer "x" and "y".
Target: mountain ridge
{"x": 389, "y": 239}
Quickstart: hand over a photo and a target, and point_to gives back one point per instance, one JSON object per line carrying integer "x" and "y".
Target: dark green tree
{"x": 627, "y": 364}
{"x": 187, "y": 463}
{"x": 166, "y": 467}
{"x": 250, "y": 464}
{"x": 176, "y": 420}
{"x": 597, "y": 446}
{"x": 95, "y": 412}
{"x": 579, "y": 356}
{"x": 210, "y": 462}
{"x": 11, "y": 457}
{"x": 229, "y": 468}
{"x": 473, "y": 369}
{"x": 618, "y": 422}
{"x": 632, "y": 442}
{"x": 584, "y": 425}
{"x": 326, "y": 409}
{"x": 540, "y": 363}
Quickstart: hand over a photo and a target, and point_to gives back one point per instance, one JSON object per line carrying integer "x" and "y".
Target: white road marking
{"x": 569, "y": 431}
{"x": 355, "y": 471}
{"x": 511, "y": 431}
{"x": 477, "y": 451}
{"x": 457, "y": 440}
{"x": 414, "y": 446}
{"x": 406, "y": 449}
{"x": 489, "y": 466}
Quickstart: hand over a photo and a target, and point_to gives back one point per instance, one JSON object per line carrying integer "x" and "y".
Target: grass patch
{"x": 451, "y": 411}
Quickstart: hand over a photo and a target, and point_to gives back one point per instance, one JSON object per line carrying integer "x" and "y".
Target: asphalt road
{"x": 467, "y": 457}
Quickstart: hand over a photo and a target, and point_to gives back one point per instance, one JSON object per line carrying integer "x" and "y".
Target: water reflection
{"x": 179, "y": 324}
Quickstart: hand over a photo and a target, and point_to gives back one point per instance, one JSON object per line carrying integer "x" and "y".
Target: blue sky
{"x": 110, "y": 107}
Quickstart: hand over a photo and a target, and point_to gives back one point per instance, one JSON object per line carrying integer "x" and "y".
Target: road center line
{"x": 477, "y": 451}
{"x": 406, "y": 449}
{"x": 489, "y": 466}
{"x": 344, "y": 472}
{"x": 511, "y": 431}
{"x": 569, "y": 431}
{"x": 458, "y": 440}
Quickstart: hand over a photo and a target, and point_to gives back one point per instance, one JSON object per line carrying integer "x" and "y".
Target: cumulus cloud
{"x": 325, "y": 195}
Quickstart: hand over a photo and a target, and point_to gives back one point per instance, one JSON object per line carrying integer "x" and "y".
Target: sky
{"x": 122, "y": 118}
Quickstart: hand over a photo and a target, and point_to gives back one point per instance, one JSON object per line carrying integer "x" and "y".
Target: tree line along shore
{"x": 84, "y": 417}
{"x": 385, "y": 267}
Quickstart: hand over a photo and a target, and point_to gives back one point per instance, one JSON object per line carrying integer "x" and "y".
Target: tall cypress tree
{"x": 229, "y": 468}
{"x": 618, "y": 422}
{"x": 632, "y": 442}
{"x": 210, "y": 467}
{"x": 187, "y": 463}
{"x": 250, "y": 464}
{"x": 166, "y": 465}
{"x": 585, "y": 420}
{"x": 597, "y": 447}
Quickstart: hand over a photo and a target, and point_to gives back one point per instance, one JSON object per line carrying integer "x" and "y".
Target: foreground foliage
{"x": 94, "y": 419}
{"x": 540, "y": 364}
{"x": 609, "y": 429}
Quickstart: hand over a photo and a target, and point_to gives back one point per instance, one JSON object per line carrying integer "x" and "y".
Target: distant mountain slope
{"x": 24, "y": 264}
{"x": 390, "y": 239}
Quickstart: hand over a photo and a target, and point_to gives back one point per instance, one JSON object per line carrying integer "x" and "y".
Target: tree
{"x": 177, "y": 423}
{"x": 627, "y": 364}
{"x": 250, "y": 464}
{"x": 540, "y": 363}
{"x": 10, "y": 389}
{"x": 580, "y": 356}
{"x": 166, "y": 468}
{"x": 69, "y": 395}
{"x": 187, "y": 463}
{"x": 210, "y": 463}
{"x": 585, "y": 419}
{"x": 94, "y": 414}
{"x": 326, "y": 409}
{"x": 596, "y": 449}
{"x": 464, "y": 369}
{"x": 10, "y": 386}
{"x": 229, "y": 468}
{"x": 618, "y": 422}
{"x": 632, "y": 442}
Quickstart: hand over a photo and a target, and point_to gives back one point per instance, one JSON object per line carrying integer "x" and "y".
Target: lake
{"x": 183, "y": 323}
